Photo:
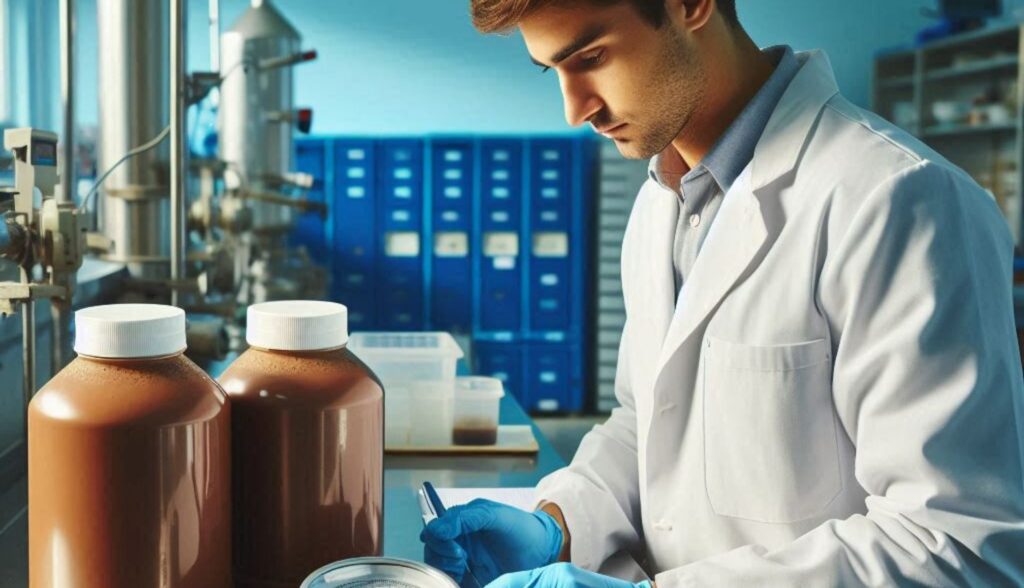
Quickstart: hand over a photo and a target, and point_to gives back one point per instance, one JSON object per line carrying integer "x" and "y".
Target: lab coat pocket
{"x": 770, "y": 447}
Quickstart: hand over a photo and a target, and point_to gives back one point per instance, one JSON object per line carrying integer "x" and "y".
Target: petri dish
{"x": 378, "y": 572}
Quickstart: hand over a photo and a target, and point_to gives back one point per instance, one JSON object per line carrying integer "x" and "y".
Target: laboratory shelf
{"x": 901, "y": 82}
{"x": 959, "y": 130}
{"x": 979, "y": 69}
{"x": 1006, "y": 63}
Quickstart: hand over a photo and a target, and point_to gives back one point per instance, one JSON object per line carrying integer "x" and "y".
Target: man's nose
{"x": 581, "y": 103}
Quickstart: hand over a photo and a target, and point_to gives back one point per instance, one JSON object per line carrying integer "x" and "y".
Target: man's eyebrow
{"x": 588, "y": 36}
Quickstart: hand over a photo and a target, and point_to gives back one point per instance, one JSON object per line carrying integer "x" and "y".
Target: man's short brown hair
{"x": 492, "y": 16}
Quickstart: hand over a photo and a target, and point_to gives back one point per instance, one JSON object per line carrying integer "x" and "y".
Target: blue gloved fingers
{"x": 453, "y": 566}
{"x": 460, "y": 520}
{"x": 446, "y": 547}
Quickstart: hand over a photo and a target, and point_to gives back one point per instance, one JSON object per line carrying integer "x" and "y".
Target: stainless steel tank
{"x": 134, "y": 210}
{"x": 257, "y": 148}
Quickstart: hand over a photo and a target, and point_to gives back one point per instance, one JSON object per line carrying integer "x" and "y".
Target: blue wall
{"x": 410, "y": 66}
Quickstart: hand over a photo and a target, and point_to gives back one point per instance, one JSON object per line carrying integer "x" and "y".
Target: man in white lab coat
{"x": 819, "y": 378}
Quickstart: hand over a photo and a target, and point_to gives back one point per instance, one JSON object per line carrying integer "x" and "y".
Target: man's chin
{"x": 633, "y": 150}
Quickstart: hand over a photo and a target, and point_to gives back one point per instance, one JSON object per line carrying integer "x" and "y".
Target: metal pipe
{"x": 215, "y": 35}
{"x": 60, "y": 310}
{"x": 134, "y": 206}
{"x": 179, "y": 155}
{"x": 28, "y": 353}
{"x": 60, "y": 340}
{"x": 67, "y": 93}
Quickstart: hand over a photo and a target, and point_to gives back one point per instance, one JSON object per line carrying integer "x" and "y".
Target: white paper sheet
{"x": 524, "y": 498}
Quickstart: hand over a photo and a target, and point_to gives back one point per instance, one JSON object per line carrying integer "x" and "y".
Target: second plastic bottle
{"x": 308, "y": 445}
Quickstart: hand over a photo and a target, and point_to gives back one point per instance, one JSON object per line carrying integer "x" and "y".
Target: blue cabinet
{"x": 499, "y": 232}
{"x": 400, "y": 215}
{"x": 554, "y": 378}
{"x": 355, "y": 228}
{"x": 484, "y": 236}
{"x": 553, "y": 199}
{"x": 504, "y": 361}
{"x": 452, "y": 166}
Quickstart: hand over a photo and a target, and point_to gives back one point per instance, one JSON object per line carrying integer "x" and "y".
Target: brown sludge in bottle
{"x": 129, "y": 473}
{"x": 307, "y": 431}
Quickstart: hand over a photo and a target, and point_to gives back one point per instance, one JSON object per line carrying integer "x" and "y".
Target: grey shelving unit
{"x": 981, "y": 72}
{"x": 618, "y": 185}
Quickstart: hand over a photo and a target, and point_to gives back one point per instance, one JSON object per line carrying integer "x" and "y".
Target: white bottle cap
{"x": 129, "y": 331}
{"x": 297, "y": 325}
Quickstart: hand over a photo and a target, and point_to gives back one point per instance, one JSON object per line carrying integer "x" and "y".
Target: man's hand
{"x": 496, "y": 538}
{"x": 562, "y": 575}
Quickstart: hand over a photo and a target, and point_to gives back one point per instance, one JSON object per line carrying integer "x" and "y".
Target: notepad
{"x": 523, "y": 498}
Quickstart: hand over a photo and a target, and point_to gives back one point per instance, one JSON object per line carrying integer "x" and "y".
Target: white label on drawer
{"x": 549, "y": 193}
{"x": 451, "y": 244}
{"x": 550, "y": 175}
{"x": 548, "y": 377}
{"x": 453, "y": 192}
{"x": 502, "y": 243}
{"x": 356, "y": 173}
{"x": 500, "y": 193}
{"x": 549, "y": 280}
{"x": 500, "y": 155}
{"x": 500, "y": 174}
{"x": 550, "y": 244}
{"x": 356, "y": 154}
{"x": 548, "y": 405}
{"x": 450, "y": 216}
{"x": 499, "y": 216}
{"x": 453, "y": 174}
{"x": 550, "y": 155}
{"x": 356, "y": 192}
{"x": 400, "y": 216}
{"x": 402, "y": 244}
{"x": 549, "y": 216}
{"x": 505, "y": 262}
{"x": 453, "y": 156}
{"x": 403, "y": 192}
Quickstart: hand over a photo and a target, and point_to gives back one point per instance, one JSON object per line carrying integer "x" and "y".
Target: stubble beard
{"x": 677, "y": 88}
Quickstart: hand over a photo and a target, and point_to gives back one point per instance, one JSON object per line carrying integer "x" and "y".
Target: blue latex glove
{"x": 495, "y": 539}
{"x": 562, "y": 575}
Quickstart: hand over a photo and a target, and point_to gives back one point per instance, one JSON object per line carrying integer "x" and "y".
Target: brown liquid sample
{"x": 129, "y": 465}
{"x": 475, "y": 435}
{"x": 308, "y": 476}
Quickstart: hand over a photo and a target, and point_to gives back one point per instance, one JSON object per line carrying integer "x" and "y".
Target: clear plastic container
{"x": 477, "y": 403}
{"x": 418, "y": 373}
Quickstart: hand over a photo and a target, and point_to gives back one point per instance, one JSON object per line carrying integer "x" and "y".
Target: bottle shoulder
{"x": 160, "y": 392}
{"x": 335, "y": 377}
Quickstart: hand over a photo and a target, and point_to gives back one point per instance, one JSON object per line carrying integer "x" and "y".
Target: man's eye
{"x": 591, "y": 58}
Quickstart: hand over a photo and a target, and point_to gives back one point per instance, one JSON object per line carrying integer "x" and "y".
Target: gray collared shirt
{"x": 702, "y": 189}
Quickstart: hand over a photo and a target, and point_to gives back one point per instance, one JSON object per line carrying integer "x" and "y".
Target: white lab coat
{"x": 837, "y": 398}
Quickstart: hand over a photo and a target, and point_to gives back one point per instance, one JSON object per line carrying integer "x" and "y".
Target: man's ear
{"x": 690, "y": 15}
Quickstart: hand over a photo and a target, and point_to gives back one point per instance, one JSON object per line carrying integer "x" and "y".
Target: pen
{"x": 432, "y": 508}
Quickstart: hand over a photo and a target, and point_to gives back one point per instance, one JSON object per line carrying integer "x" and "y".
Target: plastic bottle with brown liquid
{"x": 308, "y": 438}
{"x": 129, "y": 460}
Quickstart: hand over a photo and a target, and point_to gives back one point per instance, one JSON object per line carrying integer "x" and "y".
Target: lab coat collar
{"x": 741, "y": 232}
{"x": 778, "y": 151}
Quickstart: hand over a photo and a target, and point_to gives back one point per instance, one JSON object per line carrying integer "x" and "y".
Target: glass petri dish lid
{"x": 378, "y": 572}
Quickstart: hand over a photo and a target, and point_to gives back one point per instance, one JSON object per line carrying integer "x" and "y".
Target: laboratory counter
{"x": 403, "y": 475}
